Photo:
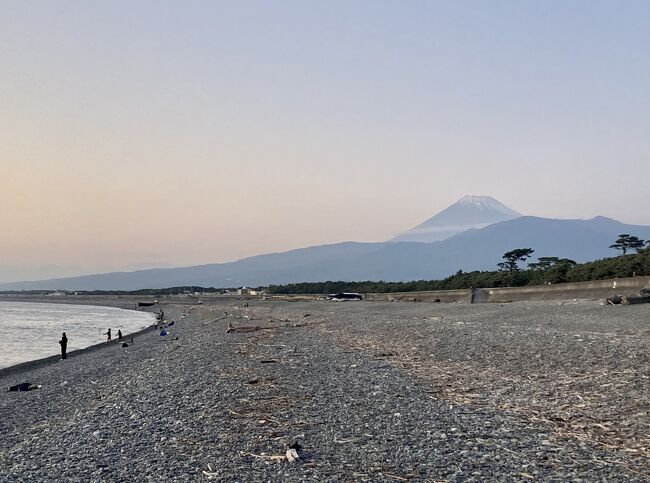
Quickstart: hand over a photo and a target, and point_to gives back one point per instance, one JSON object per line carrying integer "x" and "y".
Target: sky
{"x": 139, "y": 134}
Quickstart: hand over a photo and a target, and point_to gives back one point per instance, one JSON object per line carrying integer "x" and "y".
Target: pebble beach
{"x": 366, "y": 391}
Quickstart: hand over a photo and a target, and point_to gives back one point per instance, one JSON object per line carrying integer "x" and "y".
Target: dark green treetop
{"x": 546, "y": 263}
{"x": 627, "y": 242}
{"x": 513, "y": 257}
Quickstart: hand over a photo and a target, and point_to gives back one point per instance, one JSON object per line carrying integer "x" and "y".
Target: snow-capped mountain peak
{"x": 468, "y": 212}
{"x": 475, "y": 200}
{"x": 486, "y": 203}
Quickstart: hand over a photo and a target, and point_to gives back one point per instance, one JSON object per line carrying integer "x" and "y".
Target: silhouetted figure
{"x": 64, "y": 345}
{"x": 119, "y": 334}
{"x": 108, "y": 335}
{"x": 159, "y": 318}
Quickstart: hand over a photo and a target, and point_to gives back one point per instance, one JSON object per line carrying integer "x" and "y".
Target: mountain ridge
{"x": 478, "y": 249}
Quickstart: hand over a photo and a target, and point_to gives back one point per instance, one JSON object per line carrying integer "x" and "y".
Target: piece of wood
{"x": 636, "y": 299}
{"x": 232, "y": 329}
{"x": 292, "y": 455}
{"x": 614, "y": 300}
{"x": 275, "y": 457}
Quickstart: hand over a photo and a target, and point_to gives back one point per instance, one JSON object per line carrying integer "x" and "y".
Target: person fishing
{"x": 108, "y": 335}
{"x": 64, "y": 345}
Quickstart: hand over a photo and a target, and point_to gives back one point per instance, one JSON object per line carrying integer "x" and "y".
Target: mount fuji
{"x": 470, "y": 212}
{"x": 477, "y": 230}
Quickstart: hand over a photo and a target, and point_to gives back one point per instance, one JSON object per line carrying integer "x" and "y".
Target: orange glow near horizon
{"x": 205, "y": 135}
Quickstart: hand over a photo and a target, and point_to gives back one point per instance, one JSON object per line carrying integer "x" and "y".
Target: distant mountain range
{"x": 470, "y": 212}
{"x": 472, "y": 249}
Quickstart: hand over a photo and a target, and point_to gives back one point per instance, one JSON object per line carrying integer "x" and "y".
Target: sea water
{"x": 32, "y": 331}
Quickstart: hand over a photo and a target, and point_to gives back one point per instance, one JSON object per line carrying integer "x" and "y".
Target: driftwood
{"x": 210, "y": 474}
{"x": 292, "y": 455}
{"x": 215, "y": 320}
{"x": 636, "y": 299}
{"x": 642, "y": 297}
{"x": 275, "y": 457}
{"x": 232, "y": 329}
{"x": 614, "y": 300}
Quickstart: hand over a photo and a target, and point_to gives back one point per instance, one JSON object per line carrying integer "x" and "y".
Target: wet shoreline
{"x": 73, "y": 305}
{"x": 25, "y": 367}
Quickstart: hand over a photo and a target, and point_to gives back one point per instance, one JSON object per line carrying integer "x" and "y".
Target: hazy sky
{"x": 150, "y": 133}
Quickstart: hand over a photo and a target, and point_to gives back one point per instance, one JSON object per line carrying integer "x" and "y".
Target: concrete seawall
{"x": 562, "y": 291}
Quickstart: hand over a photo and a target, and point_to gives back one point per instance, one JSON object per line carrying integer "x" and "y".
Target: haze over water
{"x": 32, "y": 330}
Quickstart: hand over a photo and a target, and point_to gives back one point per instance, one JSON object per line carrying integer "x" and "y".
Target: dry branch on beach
{"x": 587, "y": 407}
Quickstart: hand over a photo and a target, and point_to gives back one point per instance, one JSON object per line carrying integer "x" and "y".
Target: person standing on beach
{"x": 108, "y": 335}
{"x": 64, "y": 345}
{"x": 119, "y": 334}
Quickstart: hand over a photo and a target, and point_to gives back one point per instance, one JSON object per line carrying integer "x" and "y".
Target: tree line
{"x": 546, "y": 270}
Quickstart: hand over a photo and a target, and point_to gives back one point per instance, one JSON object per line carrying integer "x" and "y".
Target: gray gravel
{"x": 372, "y": 392}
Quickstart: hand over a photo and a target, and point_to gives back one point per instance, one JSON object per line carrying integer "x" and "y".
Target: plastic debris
{"x": 23, "y": 386}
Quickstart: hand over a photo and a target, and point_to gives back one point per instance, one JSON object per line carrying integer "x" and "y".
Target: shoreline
{"x": 45, "y": 361}
{"x": 27, "y": 366}
{"x": 370, "y": 390}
